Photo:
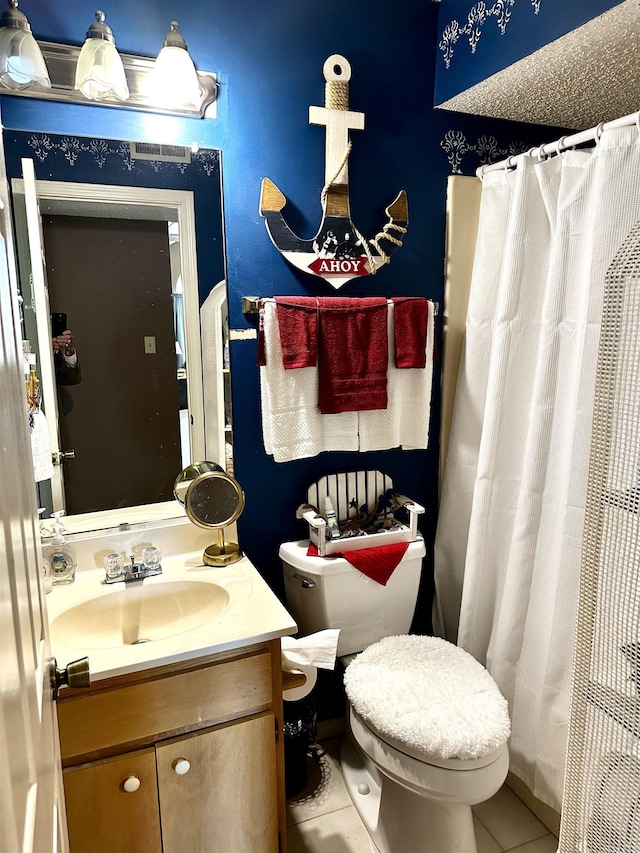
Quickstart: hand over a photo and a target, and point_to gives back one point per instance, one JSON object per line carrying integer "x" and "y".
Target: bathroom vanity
{"x": 177, "y": 746}
{"x": 180, "y": 758}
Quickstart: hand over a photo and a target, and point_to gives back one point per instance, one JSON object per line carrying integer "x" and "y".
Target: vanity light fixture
{"x": 174, "y": 79}
{"x": 21, "y": 61}
{"x": 99, "y": 71}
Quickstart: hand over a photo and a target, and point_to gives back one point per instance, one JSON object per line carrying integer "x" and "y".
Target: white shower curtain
{"x": 509, "y": 534}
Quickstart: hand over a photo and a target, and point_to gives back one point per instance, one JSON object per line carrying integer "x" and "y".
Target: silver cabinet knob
{"x": 181, "y": 766}
{"x": 131, "y": 784}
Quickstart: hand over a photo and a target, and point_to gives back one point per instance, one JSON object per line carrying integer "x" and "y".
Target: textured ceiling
{"x": 590, "y": 75}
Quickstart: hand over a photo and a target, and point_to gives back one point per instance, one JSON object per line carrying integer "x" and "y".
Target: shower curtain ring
{"x": 599, "y": 130}
{"x": 560, "y": 149}
{"x": 507, "y": 163}
{"x": 638, "y": 121}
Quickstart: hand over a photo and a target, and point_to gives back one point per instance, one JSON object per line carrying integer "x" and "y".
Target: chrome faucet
{"x": 117, "y": 572}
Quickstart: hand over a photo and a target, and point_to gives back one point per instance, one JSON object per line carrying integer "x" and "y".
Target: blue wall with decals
{"x": 269, "y": 59}
{"x": 478, "y": 39}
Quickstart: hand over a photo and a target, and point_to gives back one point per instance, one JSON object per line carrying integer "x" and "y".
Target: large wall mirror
{"x": 123, "y": 244}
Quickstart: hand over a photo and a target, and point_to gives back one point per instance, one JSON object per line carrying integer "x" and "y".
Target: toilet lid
{"x": 429, "y": 695}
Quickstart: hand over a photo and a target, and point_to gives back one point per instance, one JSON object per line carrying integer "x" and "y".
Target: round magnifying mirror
{"x": 189, "y": 474}
{"x": 214, "y": 500}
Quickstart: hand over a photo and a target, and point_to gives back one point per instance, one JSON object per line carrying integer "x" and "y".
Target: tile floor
{"x": 321, "y": 818}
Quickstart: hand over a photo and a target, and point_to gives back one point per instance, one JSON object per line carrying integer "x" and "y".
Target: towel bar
{"x": 251, "y": 305}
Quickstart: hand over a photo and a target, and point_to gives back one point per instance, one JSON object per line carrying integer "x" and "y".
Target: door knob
{"x": 62, "y": 456}
{"x": 75, "y": 674}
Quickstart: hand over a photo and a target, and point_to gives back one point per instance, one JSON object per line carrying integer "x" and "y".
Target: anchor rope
{"x": 336, "y": 94}
{"x": 384, "y": 235}
{"x": 326, "y": 187}
{"x": 381, "y": 235}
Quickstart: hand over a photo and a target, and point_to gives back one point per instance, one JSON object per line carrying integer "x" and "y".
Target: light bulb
{"x": 173, "y": 80}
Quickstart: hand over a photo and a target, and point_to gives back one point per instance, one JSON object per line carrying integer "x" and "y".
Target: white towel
{"x": 41, "y": 447}
{"x": 405, "y": 421}
{"x": 292, "y": 425}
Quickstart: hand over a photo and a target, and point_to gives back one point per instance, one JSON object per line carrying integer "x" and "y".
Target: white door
{"x": 32, "y": 818}
{"x": 42, "y": 311}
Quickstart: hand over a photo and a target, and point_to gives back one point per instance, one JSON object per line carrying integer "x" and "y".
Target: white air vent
{"x": 164, "y": 153}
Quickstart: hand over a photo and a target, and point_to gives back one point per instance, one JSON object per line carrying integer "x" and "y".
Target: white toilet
{"x": 428, "y": 727}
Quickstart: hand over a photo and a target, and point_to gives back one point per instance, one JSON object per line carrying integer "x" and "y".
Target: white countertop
{"x": 254, "y": 614}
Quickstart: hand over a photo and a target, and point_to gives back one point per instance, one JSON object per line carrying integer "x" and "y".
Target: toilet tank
{"x": 330, "y": 593}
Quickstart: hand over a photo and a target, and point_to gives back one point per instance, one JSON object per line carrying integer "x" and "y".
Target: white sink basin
{"x": 188, "y": 611}
{"x": 139, "y": 614}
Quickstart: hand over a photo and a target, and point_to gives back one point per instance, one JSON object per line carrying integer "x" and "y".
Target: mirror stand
{"x": 213, "y": 500}
{"x": 223, "y": 553}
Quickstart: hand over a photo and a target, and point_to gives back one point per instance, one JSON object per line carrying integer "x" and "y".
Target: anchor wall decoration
{"x": 338, "y": 252}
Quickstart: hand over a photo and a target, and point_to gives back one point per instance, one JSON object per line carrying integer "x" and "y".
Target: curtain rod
{"x": 562, "y": 144}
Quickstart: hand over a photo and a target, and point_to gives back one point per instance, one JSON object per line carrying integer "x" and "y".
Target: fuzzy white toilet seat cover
{"x": 429, "y": 694}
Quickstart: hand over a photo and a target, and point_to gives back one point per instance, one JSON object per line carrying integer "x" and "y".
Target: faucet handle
{"x": 113, "y": 566}
{"x": 151, "y": 558}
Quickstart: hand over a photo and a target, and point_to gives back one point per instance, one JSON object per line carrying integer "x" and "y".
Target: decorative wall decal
{"x": 72, "y": 148}
{"x": 478, "y": 15}
{"x": 455, "y": 144}
{"x": 338, "y": 252}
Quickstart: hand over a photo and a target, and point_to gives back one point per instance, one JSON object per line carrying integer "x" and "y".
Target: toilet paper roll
{"x": 306, "y": 654}
{"x": 296, "y": 693}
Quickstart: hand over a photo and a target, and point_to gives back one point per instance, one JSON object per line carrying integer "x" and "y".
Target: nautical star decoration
{"x": 338, "y": 252}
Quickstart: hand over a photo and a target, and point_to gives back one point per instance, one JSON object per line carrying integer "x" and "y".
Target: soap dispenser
{"x": 59, "y": 554}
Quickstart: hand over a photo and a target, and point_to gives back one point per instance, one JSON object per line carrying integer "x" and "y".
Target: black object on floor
{"x": 299, "y": 733}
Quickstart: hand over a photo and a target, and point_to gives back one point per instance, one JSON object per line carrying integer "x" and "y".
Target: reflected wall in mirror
{"x": 133, "y": 242}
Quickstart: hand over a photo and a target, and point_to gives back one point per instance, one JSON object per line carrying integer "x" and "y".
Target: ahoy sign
{"x": 340, "y": 266}
{"x": 338, "y": 252}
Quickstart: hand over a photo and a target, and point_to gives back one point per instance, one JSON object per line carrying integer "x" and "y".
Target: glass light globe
{"x": 173, "y": 80}
{"x": 99, "y": 71}
{"x": 21, "y": 61}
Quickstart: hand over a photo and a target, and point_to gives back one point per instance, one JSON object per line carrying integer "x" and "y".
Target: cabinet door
{"x": 225, "y": 799}
{"x": 105, "y": 817}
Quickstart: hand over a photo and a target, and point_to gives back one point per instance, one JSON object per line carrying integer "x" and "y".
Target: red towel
{"x": 410, "y": 315}
{"x": 298, "y": 327}
{"x": 376, "y": 563}
{"x": 353, "y": 355}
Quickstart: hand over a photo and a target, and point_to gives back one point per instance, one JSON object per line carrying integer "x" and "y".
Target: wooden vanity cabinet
{"x": 186, "y": 758}
{"x": 102, "y": 816}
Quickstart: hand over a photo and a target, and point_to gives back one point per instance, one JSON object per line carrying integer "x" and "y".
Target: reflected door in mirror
{"x": 112, "y": 278}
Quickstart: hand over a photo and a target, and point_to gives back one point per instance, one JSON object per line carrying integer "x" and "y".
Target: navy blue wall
{"x": 269, "y": 58}
{"x": 477, "y": 39}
